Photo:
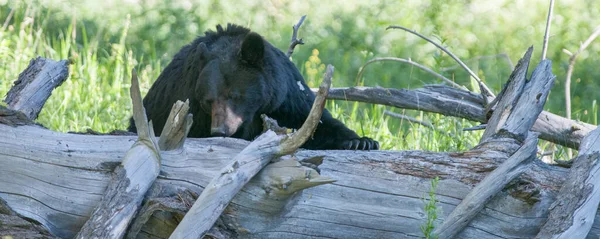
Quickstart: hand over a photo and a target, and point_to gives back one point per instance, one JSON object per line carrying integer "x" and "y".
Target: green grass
{"x": 106, "y": 39}
{"x": 96, "y": 95}
{"x": 432, "y": 210}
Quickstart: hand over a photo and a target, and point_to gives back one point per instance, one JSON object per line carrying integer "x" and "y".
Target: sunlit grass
{"x": 96, "y": 94}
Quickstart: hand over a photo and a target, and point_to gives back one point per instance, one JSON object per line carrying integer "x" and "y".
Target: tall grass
{"x": 96, "y": 94}
{"x": 106, "y": 39}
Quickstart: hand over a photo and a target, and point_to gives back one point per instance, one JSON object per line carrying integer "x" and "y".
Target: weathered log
{"x": 440, "y": 99}
{"x": 463, "y": 104}
{"x": 521, "y": 103}
{"x": 157, "y": 206}
{"x": 56, "y": 179}
{"x": 355, "y": 204}
{"x": 559, "y": 130}
{"x": 509, "y": 97}
{"x": 131, "y": 179}
{"x": 256, "y": 201}
{"x": 35, "y": 84}
{"x": 489, "y": 187}
{"x": 573, "y": 213}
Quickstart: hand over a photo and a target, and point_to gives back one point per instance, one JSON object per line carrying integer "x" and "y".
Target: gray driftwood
{"x": 463, "y": 104}
{"x": 572, "y": 215}
{"x": 130, "y": 181}
{"x": 509, "y": 97}
{"x": 493, "y": 183}
{"x": 520, "y": 105}
{"x": 11, "y": 224}
{"x": 177, "y": 127}
{"x": 35, "y": 84}
{"x": 57, "y": 179}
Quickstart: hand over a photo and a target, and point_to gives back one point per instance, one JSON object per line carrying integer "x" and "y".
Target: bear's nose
{"x": 218, "y": 132}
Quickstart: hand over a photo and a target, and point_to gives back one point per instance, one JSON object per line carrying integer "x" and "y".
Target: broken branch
{"x": 422, "y": 67}
{"x": 130, "y": 180}
{"x": 295, "y": 41}
{"x": 481, "y": 84}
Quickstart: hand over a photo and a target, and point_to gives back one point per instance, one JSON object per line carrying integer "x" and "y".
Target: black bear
{"x": 231, "y": 77}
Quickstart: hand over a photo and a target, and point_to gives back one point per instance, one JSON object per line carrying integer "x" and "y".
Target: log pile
{"x": 68, "y": 184}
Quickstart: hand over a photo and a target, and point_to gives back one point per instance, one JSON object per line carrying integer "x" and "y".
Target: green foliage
{"x": 106, "y": 39}
{"x": 431, "y": 210}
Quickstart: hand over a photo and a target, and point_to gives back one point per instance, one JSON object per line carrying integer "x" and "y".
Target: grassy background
{"x": 106, "y": 39}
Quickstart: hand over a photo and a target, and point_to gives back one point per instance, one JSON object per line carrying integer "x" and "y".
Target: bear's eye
{"x": 235, "y": 96}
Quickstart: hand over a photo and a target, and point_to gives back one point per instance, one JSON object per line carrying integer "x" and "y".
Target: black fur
{"x": 241, "y": 70}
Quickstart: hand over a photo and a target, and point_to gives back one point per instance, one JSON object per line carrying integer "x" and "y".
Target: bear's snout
{"x": 224, "y": 121}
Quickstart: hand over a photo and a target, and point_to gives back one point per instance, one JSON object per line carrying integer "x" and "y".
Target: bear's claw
{"x": 364, "y": 143}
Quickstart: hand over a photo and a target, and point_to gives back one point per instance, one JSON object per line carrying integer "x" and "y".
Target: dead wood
{"x": 177, "y": 127}
{"x": 295, "y": 40}
{"x": 573, "y": 213}
{"x": 360, "y": 204}
{"x": 516, "y": 112}
{"x": 14, "y": 226}
{"x": 509, "y": 97}
{"x": 130, "y": 181}
{"x": 13, "y": 117}
{"x": 35, "y": 84}
{"x": 56, "y": 179}
{"x": 463, "y": 104}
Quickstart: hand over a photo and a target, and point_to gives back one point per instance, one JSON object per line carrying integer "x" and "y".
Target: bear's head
{"x": 232, "y": 86}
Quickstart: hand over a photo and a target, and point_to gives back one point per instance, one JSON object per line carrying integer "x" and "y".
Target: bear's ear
{"x": 201, "y": 52}
{"x": 253, "y": 50}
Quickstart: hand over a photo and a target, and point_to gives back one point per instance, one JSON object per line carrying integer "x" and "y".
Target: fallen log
{"x": 56, "y": 179}
{"x": 459, "y": 103}
{"x": 518, "y": 106}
